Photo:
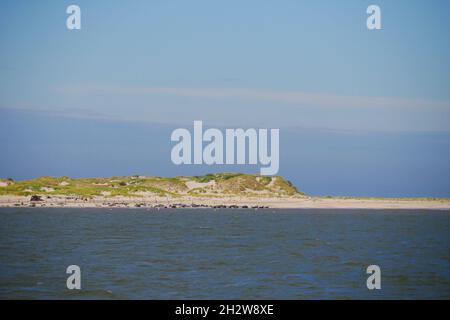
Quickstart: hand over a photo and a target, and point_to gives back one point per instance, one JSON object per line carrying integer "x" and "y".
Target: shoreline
{"x": 58, "y": 201}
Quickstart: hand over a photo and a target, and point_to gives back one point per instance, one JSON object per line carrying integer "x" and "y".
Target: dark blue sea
{"x": 224, "y": 254}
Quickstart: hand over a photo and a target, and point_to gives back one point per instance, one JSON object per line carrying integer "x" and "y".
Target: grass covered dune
{"x": 138, "y": 186}
{"x": 231, "y": 190}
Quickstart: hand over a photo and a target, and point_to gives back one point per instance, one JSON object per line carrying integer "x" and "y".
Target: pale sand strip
{"x": 285, "y": 202}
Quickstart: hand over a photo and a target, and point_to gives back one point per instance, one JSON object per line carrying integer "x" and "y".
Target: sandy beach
{"x": 223, "y": 202}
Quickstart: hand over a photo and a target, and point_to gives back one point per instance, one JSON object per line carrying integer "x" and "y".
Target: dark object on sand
{"x": 35, "y": 198}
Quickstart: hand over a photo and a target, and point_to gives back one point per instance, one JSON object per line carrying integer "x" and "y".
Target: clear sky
{"x": 375, "y": 105}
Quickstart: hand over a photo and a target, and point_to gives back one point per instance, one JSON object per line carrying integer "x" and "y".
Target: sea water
{"x": 224, "y": 254}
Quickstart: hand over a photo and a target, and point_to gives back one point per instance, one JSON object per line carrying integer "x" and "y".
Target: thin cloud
{"x": 284, "y": 97}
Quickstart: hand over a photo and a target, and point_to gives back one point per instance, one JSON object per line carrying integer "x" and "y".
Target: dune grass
{"x": 136, "y": 185}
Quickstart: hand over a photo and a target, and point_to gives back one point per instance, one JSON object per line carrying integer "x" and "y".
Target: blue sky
{"x": 310, "y": 68}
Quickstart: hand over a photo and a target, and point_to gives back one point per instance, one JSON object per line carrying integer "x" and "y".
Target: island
{"x": 218, "y": 190}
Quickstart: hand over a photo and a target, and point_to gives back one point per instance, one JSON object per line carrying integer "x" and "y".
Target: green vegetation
{"x": 134, "y": 186}
{"x": 209, "y": 185}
